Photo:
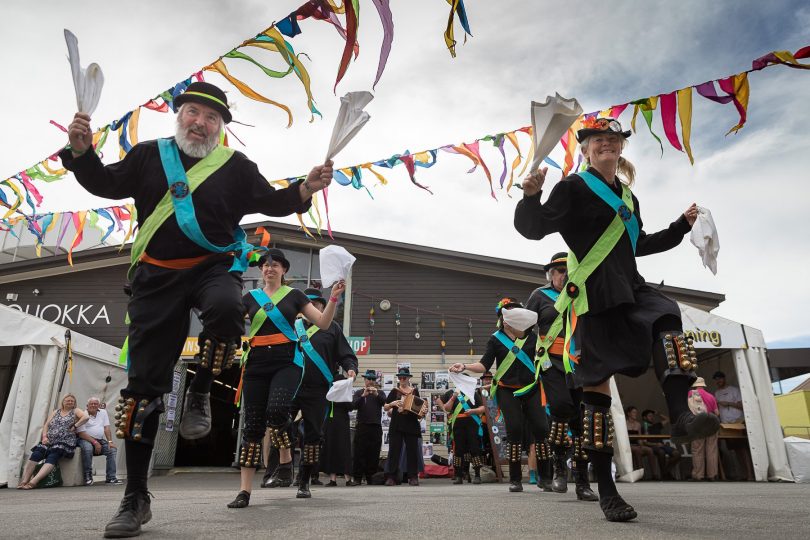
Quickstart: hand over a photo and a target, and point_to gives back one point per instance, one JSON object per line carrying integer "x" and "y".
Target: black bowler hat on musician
{"x": 593, "y": 126}
{"x": 315, "y": 295}
{"x": 370, "y": 374}
{"x": 404, "y": 372}
{"x": 274, "y": 254}
{"x": 206, "y": 94}
{"x": 559, "y": 259}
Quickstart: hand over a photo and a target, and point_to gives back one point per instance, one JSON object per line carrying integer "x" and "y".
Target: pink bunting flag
{"x": 669, "y": 109}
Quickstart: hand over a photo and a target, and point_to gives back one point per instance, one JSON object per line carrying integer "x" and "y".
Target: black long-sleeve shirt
{"x": 581, "y": 217}
{"x": 368, "y": 407}
{"x": 233, "y": 191}
{"x": 517, "y": 374}
{"x": 335, "y": 350}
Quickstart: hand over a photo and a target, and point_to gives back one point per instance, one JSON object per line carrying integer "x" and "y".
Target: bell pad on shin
{"x": 250, "y": 456}
{"x": 218, "y": 354}
{"x": 311, "y": 454}
{"x": 680, "y": 353}
{"x": 598, "y": 432}
{"x": 515, "y": 452}
{"x": 280, "y": 437}
{"x": 131, "y": 414}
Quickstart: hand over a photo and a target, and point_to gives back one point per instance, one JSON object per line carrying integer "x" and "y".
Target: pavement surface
{"x": 192, "y": 505}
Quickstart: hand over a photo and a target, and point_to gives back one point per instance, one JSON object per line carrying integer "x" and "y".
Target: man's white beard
{"x": 195, "y": 149}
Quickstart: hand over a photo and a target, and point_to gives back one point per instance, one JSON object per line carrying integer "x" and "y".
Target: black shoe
{"x": 689, "y": 427}
{"x": 560, "y": 482}
{"x": 476, "y": 480}
{"x": 515, "y": 487}
{"x": 413, "y": 481}
{"x": 242, "y": 500}
{"x": 133, "y": 512}
{"x": 196, "y": 422}
{"x": 316, "y": 482}
{"x": 353, "y": 482}
{"x": 114, "y": 482}
{"x": 616, "y": 509}
{"x": 281, "y": 478}
{"x": 88, "y": 479}
{"x": 544, "y": 484}
{"x": 458, "y": 480}
{"x": 303, "y": 491}
{"x": 331, "y": 483}
{"x": 585, "y": 493}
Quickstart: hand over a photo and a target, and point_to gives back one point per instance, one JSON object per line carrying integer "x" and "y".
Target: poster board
{"x": 496, "y": 431}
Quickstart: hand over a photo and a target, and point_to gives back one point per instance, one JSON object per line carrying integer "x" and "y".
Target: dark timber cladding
{"x": 461, "y": 297}
{"x": 459, "y": 287}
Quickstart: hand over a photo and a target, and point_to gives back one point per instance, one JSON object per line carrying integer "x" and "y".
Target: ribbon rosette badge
{"x": 179, "y": 190}
{"x": 624, "y": 213}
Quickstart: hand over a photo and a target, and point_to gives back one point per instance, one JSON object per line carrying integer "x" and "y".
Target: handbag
{"x": 54, "y": 478}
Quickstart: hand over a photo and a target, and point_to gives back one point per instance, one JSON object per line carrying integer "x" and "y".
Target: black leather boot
{"x": 133, "y": 512}
{"x": 560, "y": 482}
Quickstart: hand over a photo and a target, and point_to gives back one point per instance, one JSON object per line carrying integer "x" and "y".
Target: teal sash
{"x": 184, "y": 208}
{"x": 275, "y": 315}
{"x": 304, "y": 339}
{"x": 603, "y": 191}
{"x": 518, "y": 352}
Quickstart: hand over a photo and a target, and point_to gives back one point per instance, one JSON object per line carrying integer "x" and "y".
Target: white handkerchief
{"x": 550, "y": 120}
{"x": 336, "y": 263}
{"x": 519, "y": 318}
{"x": 87, "y": 82}
{"x": 350, "y": 120}
{"x": 340, "y": 392}
{"x": 704, "y": 237}
{"x": 464, "y": 384}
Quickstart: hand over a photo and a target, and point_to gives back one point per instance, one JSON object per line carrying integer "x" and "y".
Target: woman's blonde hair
{"x": 625, "y": 170}
{"x": 62, "y": 403}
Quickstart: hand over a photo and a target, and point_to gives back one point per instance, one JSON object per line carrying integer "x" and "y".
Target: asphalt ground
{"x": 192, "y": 505}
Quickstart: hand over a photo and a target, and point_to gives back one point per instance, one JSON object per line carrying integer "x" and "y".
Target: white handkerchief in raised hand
{"x": 464, "y": 384}
{"x": 550, "y": 120}
{"x": 704, "y": 237}
{"x": 350, "y": 120}
{"x": 340, "y": 392}
{"x": 87, "y": 82}
{"x": 519, "y": 318}
{"x": 336, "y": 263}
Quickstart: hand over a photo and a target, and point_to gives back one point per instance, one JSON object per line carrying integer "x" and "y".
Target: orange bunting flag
{"x": 219, "y": 67}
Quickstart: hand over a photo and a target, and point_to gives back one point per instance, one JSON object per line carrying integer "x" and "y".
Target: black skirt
{"x": 336, "y": 457}
{"x": 620, "y": 339}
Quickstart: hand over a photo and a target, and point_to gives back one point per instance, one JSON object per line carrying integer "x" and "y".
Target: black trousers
{"x": 395, "y": 441}
{"x": 563, "y": 400}
{"x": 519, "y": 409}
{"x": 269, "y": 385}
{"x": 311, "y": 401}
{"x": 159, "y": 318}
{"x": 465, "y": 438}
{"x": 367, "y": 445}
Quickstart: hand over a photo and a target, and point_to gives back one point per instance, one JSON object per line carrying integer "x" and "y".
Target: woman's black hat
{"x": 206, "y": 94}
{"x": 404, "y": 372}
{"x": 274, "y": 254}
{"x": 559, "y": 259}
{"x": 592, "y": 126}
{"x": 315, "y": 295}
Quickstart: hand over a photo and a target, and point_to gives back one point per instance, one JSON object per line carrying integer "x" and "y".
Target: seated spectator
{"x": 668, "y": 456}
{"x": 95, "y": 439}
{"x": 58, "y": 440}
{"x": 704, "y": 451}
{"x": 639, "y": 447}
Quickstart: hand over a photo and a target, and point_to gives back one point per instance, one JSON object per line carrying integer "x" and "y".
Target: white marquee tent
{"x": 35, "y": 390}
{"x": 746, "y": 348}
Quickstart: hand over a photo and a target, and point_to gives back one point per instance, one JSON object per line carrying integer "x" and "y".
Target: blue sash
{"x": 553, "y": 294}
{"x": 278, "y": 319}
{"x": 519, "y": 353}
{"x": 464, "y": 400}
{"x": 604, "y": 192}
{"x": 311, "y": 353}
{"x": 184, "y": 209}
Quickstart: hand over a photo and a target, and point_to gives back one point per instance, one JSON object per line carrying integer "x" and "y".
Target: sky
{"x": 755, "y": 182}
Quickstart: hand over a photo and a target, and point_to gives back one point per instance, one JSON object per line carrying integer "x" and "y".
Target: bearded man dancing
{"x": 190, "y": 194}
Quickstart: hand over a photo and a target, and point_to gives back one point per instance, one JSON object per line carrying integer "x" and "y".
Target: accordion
{"x": 413, "y": 404}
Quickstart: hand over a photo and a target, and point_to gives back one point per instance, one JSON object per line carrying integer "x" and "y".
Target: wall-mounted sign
{"x": 360, "y": 345}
